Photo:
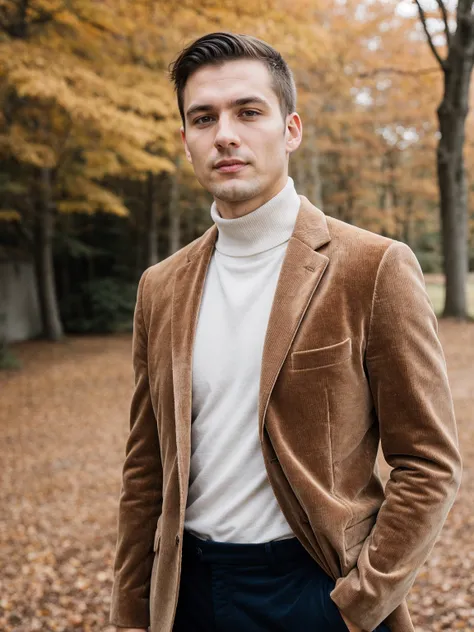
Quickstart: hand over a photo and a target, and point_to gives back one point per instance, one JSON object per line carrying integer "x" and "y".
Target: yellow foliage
{"x": 89, "y": 197}
{"x": 8, "y": 215}
{"x": 35, "y": 154}
{"x": 100, "y": 163}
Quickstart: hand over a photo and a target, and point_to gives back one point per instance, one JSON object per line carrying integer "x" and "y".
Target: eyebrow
{"x": 204, "y": 107}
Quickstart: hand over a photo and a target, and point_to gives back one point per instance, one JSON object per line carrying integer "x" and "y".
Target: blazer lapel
{"x": 300, "y": 274}
{"x": 187, "y": 293}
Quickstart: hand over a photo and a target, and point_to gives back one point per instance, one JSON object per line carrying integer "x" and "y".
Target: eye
{"x": 254, "y": 112}
{"x": 201, "y": 120}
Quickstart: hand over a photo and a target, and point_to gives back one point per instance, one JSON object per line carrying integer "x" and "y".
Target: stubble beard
{"x": 236, "y": 191}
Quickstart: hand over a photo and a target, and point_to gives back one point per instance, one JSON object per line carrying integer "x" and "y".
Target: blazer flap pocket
{"x": 321, "y": 357}
{"x": 358, "y": 532}
{"x": 156, "y": 542}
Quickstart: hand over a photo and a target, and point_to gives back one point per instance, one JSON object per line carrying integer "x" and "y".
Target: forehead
{"x": 230, "y": 80}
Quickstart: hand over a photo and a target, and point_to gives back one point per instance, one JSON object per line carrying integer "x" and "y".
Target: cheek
{"x": 199, "y": 158}
{"x": 197, "y": 148}
{"x": 274, "y": 153}
{"x": 271, "y": 142}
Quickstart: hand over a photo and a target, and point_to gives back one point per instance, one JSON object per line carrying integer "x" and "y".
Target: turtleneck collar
{"x": 268, "y": 226}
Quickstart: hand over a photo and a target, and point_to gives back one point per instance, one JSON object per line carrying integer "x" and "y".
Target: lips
{"x": 230, "y": 166}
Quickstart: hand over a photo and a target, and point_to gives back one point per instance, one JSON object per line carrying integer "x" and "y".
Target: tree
{"x": 452, "y": 113}
{"x": 69, "y": 121}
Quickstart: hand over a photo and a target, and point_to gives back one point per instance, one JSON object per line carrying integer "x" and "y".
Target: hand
{"x": 351, "y": 626}
{"x": 131, "y": 629}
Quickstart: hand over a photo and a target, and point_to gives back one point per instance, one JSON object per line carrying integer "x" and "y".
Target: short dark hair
{"x": 217, "y": 48}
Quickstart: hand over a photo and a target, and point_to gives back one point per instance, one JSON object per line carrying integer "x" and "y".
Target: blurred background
{"x": 94, "y": 188}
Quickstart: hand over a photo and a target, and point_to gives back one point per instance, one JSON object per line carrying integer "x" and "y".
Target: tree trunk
{"x": 452, "y": 114}
{"x": 151, "y": 223}
{"x": 44, "y": 268}
{"x": 174, "y": 213}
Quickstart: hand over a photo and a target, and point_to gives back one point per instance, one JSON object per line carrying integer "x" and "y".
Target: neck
{"x": 233, "y": 210}
{"x": 265, "y": 228}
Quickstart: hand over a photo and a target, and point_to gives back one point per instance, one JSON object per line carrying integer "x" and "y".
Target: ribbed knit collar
{"x": 267, "y": 227}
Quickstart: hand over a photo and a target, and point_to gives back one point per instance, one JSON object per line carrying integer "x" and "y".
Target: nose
{"x": 226, "y": 134}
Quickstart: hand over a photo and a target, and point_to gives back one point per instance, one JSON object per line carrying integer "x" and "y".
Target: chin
{"x": 236, "y": 191}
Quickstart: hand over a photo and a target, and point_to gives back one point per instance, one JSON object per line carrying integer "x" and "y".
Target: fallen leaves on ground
{"x": 63, "y": 427}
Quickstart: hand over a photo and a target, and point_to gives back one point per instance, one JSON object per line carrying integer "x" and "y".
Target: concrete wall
{"x": 19, "y": 309}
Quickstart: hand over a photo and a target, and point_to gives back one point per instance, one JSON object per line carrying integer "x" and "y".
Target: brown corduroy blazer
{"x": 351, "y": 358}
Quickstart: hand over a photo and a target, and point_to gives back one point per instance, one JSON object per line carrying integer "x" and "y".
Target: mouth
{"x": 231, "y": 167}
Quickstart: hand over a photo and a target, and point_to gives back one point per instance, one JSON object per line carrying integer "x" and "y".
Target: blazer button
{"x": 177, "y": 540}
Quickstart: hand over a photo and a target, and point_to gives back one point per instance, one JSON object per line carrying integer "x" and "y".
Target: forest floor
{"x": 63, "y": 426}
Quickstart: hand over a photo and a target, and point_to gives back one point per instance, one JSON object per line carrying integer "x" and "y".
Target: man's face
{"x": 233, "y": 114}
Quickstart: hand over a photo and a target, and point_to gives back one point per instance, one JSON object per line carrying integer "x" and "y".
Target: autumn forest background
{"x": 94, "y": 188}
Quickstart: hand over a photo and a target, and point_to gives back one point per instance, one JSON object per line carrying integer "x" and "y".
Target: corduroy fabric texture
{"x": 351, "y": 358}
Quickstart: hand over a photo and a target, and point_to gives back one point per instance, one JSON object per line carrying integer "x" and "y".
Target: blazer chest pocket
{"x": 321, "y": 357}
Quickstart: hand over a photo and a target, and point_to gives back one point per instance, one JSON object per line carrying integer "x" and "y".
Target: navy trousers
{"x": 270, "y": 587}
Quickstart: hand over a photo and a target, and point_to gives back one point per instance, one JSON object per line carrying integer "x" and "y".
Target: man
{"x": 271, "y": 356}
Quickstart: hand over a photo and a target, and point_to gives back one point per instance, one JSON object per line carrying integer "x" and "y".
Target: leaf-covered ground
{"x": 63, "y": 426}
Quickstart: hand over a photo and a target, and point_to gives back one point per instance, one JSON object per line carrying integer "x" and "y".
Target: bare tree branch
{"x": 444, "y": 11}
{"x": 434, "y": 50}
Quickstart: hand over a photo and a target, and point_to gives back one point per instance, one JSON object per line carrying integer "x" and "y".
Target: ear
{"x": 294, "y": 132}
{"x": 186, "y": 148}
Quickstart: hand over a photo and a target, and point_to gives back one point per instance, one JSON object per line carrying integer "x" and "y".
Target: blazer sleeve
{"x": 140, "y": 499}
{"x": 408, "y": 379}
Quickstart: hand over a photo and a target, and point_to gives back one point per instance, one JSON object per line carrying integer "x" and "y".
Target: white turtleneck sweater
{"x": 230, "y": 498}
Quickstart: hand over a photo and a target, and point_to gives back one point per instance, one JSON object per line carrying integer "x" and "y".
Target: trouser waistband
{"x": 289, "y": 549}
